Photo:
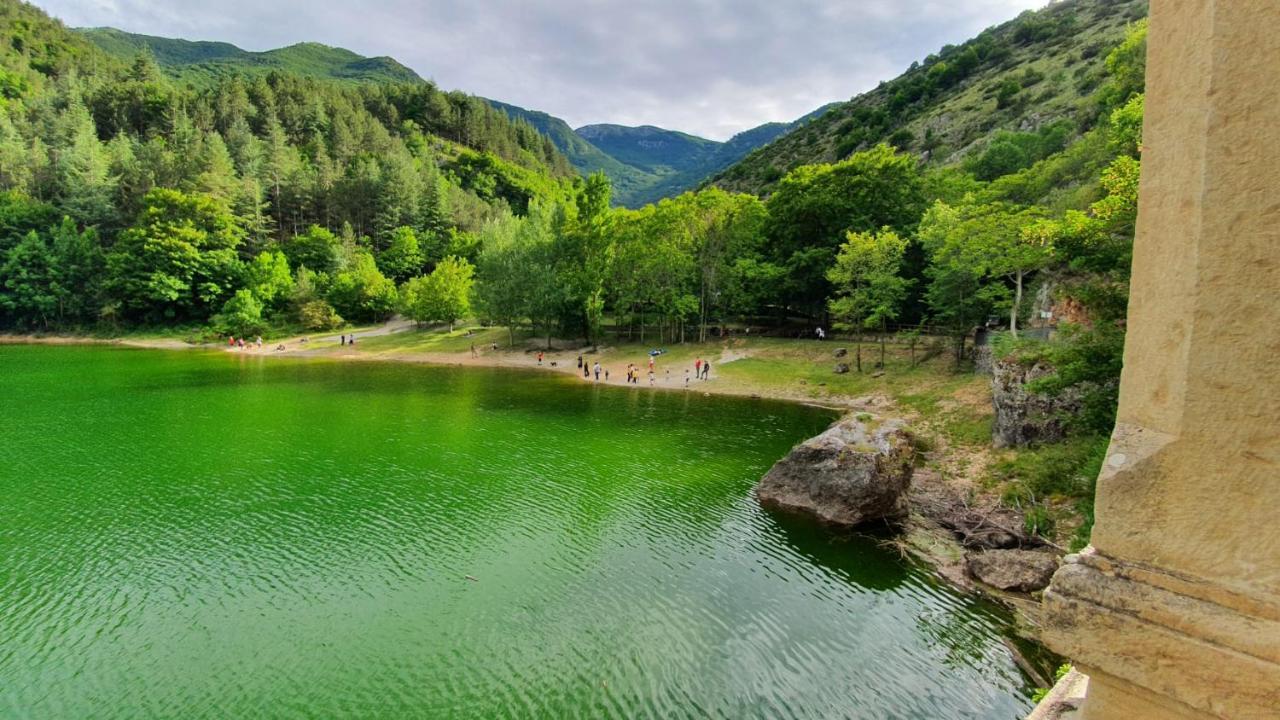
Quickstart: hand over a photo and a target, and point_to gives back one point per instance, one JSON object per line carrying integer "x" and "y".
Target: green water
{"x": 205, "y": 535}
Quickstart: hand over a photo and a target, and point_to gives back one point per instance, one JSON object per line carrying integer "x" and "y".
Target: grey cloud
{"x": 709, "y": 67}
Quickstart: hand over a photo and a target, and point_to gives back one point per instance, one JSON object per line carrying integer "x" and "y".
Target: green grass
{"x": 1053, "y": 483}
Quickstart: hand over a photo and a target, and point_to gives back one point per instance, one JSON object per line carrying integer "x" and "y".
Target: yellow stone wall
{"x": 1174, "y": 610}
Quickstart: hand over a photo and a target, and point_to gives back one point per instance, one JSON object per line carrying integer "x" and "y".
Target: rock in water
{"x": 1016, "y": 570}
{"x": 854, "y": 472}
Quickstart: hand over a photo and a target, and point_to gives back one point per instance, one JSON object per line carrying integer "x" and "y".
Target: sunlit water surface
{"x": 204, "y": 535}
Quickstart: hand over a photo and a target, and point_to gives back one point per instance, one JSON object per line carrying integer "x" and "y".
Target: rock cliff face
{"x": 1024, "y": 417}
{"x": 857, "y": 471}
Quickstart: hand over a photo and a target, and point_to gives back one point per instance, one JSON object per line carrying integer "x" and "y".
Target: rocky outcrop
{"x": 841, "y": 368}
{"x": 1024, "y": 417}
{"x": 857, "y": 471}
{"x": 1013, "y": 570}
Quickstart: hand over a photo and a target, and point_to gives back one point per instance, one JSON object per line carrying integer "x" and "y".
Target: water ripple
{"x": 205, "y": 536}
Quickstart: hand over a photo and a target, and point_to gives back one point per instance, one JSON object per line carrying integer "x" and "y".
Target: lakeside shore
{"x": 395, "y": 342}
{"x": 951, "y": 410}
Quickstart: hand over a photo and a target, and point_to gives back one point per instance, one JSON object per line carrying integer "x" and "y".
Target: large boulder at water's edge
{"x": 1015, "y": 570}
{"x": 1024, "y": 417}
{"x": 855, "y": 472}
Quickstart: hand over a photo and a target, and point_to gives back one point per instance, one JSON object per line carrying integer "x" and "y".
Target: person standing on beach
{"x": 586, "y": 371}
{"x": 597, "y": 368}
{"x": 342, "y": 339}
{"x": 606, "y": 374}
{"x": 473, "y": 350}
{"x": 539, "y": 358}
{"x": 706, "y": 370}
{"x": 697, "y": 367}
{"x": 686, "y": 377}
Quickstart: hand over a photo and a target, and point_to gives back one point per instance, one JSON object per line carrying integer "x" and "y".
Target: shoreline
{"x": 525, "y": 360}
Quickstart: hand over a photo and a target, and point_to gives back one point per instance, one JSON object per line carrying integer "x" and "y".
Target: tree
{"x": 869, "y": 288}
{"x": 317, "y": 249}
{"x": 403, "y": 258}
{"x": 241, "y": 315}
{"x": 442, "y": 296}
{"x": 994, "y": 239}
{"x": 319, "y": 315}
{"x": 814, "y": 207}
{"x": 77, "y": 271}
{"x": 360, "y": 292}
{"x": 179, "y": 259}
{"x": 269, "y": 279}
{"x": 502, "y": 287}
{"x": 959, "y": 293}
{"x": 26, "y": 278}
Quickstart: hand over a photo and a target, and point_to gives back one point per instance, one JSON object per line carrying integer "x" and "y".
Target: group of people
{"x": 701, "y": 371}
{"x": 241, "y": 343}
{"x": 587, "y": 368}
{"x": 347, "y": 339}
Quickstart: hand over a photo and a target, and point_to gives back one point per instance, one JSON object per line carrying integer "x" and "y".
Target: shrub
{"x": 319, "y": 315}
{"x": 241, "y": 315}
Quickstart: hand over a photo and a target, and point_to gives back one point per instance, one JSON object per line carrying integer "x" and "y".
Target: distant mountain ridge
{"x": 645, "y": 163}
{"x": 204, "y": 62}
{"x": 648, "y": 163}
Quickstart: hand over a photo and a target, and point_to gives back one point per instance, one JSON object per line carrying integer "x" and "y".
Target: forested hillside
{"x": 129, "y": 199}
{"x": 646, "y": 164}
{"x": 205, "y": 63}
{"x": 628, "y": 181}
{"x": 979, "y": 103}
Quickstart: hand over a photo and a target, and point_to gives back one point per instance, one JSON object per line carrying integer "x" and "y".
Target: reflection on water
{"x": 210, "y": 535}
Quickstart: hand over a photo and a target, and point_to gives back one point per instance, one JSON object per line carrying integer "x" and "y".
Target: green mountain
{"x": 648, "y": 163}
{"x": 1036, "y": 72}
{"x": 627, "y": 181}
{"x": 204, "y": 63}
{"x": 649, "y": 148}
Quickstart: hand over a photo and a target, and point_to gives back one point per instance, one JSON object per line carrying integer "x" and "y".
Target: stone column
{"x": 1174, "y": 610}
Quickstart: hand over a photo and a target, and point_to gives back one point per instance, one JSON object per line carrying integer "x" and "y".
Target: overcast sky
{"x": 709, "y": 67}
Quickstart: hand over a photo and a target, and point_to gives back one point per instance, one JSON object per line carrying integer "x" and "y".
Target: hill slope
{"x": 649, "y": 163}
{"x": 1022, "y": 75}
{"x": 203, "y": 63}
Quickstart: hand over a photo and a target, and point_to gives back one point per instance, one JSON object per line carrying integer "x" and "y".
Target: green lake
{"x": 207, "y": 535}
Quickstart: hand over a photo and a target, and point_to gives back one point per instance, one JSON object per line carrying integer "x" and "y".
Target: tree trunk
{"x": 883, "y": 331}
{"x": 857, "y": 354}
{"x": 1017, "y": 302}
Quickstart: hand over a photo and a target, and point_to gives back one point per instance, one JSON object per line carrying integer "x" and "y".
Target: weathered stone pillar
{"x": 1174, "y": 611}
